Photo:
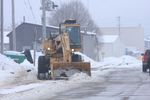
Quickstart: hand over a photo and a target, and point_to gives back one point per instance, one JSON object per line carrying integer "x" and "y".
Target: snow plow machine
{"x": 60, "y": 60}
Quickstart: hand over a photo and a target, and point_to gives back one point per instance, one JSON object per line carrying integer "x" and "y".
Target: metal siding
{"x": 25, "y": 35}
{"x": 89, "y": 46}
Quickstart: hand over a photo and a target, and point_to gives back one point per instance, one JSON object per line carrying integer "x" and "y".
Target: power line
{"x": 25, "y": 8}
{"x": 31, "y": 9}
{"x": 119, "y": 25}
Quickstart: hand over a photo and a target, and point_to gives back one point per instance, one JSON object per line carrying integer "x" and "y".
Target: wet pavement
{"x": 122, "y": 84}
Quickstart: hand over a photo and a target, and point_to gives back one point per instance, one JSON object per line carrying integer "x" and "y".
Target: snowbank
{"x": 19, "y": 88}
{"x": 26, "y": 65}
{"x": 14, "y": 53}
{"x": 124, "y": 61}
{"x": 7, "y": 69}
{"x": 88, "y": 59}
{"x": 99, "y": 71}
{"x": 11, "y": 71}
{"x": 80, "y": 77}
{"x": 8, "y": 64}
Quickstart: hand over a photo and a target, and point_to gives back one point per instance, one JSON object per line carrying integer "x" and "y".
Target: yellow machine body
{"x": 63, "y": 61}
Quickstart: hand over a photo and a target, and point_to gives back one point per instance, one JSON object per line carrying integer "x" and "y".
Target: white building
{"x": 111, "y": 46}
{"x": 130, "y": 36}
{"x": 113, "y": 42}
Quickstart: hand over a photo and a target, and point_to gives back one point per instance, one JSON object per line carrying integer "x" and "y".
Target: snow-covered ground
{"x": 15, "y": 78}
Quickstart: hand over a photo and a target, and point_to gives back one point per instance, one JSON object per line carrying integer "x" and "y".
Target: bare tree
{"x": 74, "y": 10}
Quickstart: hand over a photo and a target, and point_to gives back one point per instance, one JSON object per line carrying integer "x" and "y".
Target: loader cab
{"x": 73, "y": 29}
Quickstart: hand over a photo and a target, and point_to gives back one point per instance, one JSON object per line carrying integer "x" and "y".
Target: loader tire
{"x": 76, "y": 58}
{"x": 43, "y": 67}
{"x": 144, "y": 68}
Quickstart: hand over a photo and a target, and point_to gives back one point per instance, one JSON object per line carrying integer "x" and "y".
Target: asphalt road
{"x": 122, "y": 84}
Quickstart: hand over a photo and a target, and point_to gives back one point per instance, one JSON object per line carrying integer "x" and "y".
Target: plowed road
{"x": 122, "y": 84}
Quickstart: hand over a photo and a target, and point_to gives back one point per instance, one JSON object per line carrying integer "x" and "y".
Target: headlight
{"x": 72, "y": 50}
{"x": 48, "y": 48}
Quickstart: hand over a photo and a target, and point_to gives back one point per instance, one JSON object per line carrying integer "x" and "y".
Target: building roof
{"x": 107, "y": 38}
{"x": 88, "y": 33}
{"x": 32, "y": 24}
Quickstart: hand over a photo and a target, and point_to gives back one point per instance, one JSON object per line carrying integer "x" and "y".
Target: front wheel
{"x": 144, "y": 68}
{"x": 43, "y": 67}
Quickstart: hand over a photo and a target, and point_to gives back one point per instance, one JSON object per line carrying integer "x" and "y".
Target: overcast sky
{"x": 103, "y": 12}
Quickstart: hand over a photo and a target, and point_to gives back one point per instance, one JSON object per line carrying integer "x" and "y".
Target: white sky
{"x": 104, "y": 12}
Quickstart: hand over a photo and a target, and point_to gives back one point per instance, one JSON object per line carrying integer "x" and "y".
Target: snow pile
{"x": 8, "y": 64}
{"x": 26, "y": 65}
{"x": 130, "y": 60}
{"x": 13, "y": 53}
{"x": 79, "y": 77}
{"x": 124, "y": 61}
{"x": 7, "y": 69}
{"x": 19, "y": 88}
{"x": 86, "y": 58}
{"x": 10, "y": 71}
{"x": 112, "y": 62}
{"x": 99, "y": 71}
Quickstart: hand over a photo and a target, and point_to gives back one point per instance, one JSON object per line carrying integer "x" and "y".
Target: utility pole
{"x": 119, "y": 26}
{"x": 35, "y": 46}
{"x": 47, "y": 5}
{"x": 13, "y": 25}
{"x": 44, "y": 19}
{"x": 2, "y": 24}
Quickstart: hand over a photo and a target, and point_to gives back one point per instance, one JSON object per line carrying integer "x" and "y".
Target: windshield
{"x": 74, "y": 34}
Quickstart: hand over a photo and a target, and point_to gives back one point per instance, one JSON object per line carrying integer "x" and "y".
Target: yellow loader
{"x": 59, "y": 60}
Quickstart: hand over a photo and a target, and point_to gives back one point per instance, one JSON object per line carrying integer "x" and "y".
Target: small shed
{"x": 111, "y": 46}
{"x": 27, "y": 34}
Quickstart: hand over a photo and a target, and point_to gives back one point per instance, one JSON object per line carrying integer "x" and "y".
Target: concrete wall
{"x": 130, "y": 36}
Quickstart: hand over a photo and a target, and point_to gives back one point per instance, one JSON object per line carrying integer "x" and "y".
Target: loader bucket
{"x": 64, "y": 69}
